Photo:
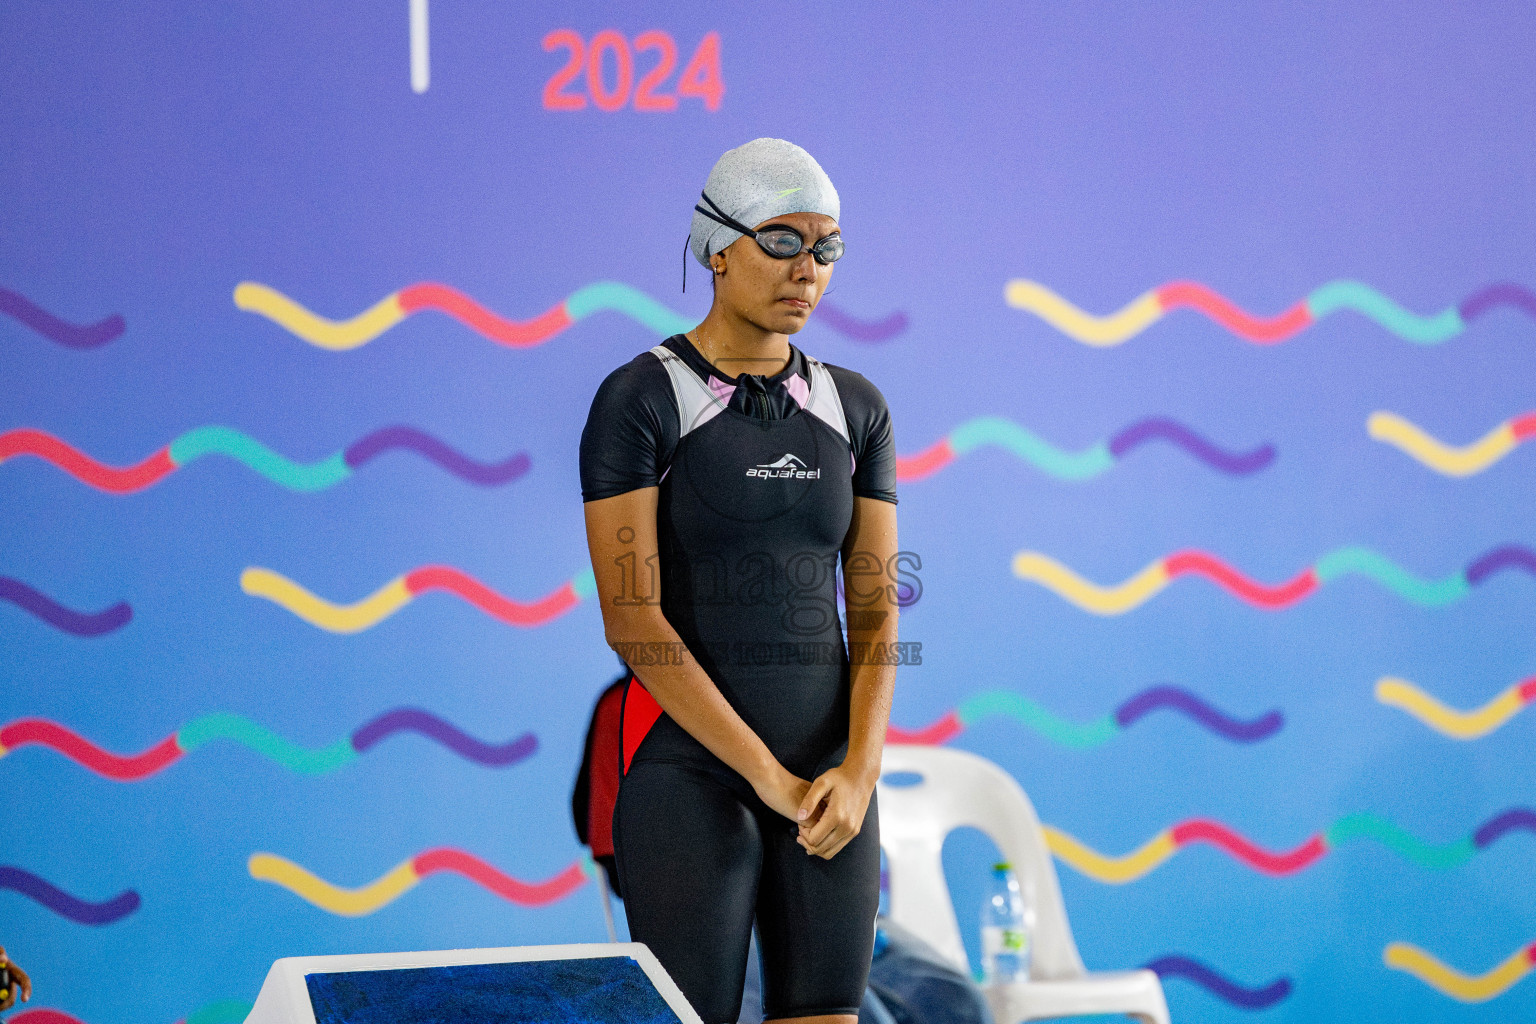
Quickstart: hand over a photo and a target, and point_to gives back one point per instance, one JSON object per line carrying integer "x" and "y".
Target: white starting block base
{"x": 285, "y": 995}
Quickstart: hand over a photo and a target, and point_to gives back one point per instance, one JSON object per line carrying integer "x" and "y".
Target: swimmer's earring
{"x": 718, "y": 271}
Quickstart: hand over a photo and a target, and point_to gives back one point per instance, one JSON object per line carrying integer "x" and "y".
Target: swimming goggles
{"x": 781, "y": 242}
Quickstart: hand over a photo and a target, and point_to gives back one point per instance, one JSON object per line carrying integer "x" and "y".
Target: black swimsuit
{"x": 756, "y": 478}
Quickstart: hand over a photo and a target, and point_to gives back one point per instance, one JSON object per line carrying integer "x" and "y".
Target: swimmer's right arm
{"x": 621, "y": 539}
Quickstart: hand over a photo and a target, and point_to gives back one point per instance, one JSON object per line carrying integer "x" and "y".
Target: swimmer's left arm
{"x": 870, "y": 590}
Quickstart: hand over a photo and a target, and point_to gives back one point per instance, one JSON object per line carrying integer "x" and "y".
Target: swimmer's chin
{"x": 789, "y": 319}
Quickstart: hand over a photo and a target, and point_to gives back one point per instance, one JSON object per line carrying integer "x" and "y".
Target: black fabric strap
{"x": 719, "y": 216}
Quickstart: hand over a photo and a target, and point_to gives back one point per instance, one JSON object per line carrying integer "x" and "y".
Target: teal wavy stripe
{"x": 1057, "y": 730}
{"x": 632, "y": 303}
{"x": 1363, "y": 299}
{"x": 1365, "y": 562}
{"x": 224, "y": 1011}
{"x": 1406, "y": 845}
{"x": 231, "y": 443}
{"x": 226, "y": 726}
{"x": 584, "y": 584}
{"x": 1041, "y": 454}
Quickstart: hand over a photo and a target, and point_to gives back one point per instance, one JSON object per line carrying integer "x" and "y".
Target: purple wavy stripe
{"x": 1177, "y": 698}
{"x": 65, "y": 905}
{"x": 861, "y": 330}
{"x": 56, "y": 615}
{"x": 62, "y": 331}
{"x": 450, "y": 736}
{"x": 430, "y": 448}
{"x": 1502, "y": 294}
{"x": 1160, "y": 428}
{"x": 1197, "y": 972}
{"x": 1516, "y": 819}
{"x": 1509, "y": 556}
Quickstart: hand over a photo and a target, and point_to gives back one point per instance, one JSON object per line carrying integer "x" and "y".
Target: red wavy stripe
{"x": 1202, "y": 830}
{"x": 931, "y": 459}
{"x": 1183, "y": 563}
{"x": 504, "y": 885}
{"x": 516, "y": 613}
{"x": 27, "y": 441}
{"x": 1528, "y": 689}
{"x": 45, "y": 1017}
{"x": 1264, "y": 330}
{"x": 515, "y": 333}
{"x": 942, "y": 731}
{"x": 40, "y": 731}
{"x": 1523, "y": 426}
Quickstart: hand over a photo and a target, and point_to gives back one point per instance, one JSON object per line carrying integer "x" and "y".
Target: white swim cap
{"x": 758, "y": 181}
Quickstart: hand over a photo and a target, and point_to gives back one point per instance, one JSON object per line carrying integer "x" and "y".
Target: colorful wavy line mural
{"x": 246, "y": 450}
{"x": 1453, "y": 722}
{"x": 44, "y": 1016}
{"x": 1150, "y": 307}
{"x": 1082, "y": 465}
{"x": 857, "y": 329}
{"x": 84, "y": 624}
{"x": 220, "y": 1011}
{"x": 1451, "y": 460}
{"x": 42, "y": 891}
{"x": 340, "y": 335}
{"x": 224, "y": 725}
{"x": 61, "y": 332}
{"x": 405, "y": 876}
{"x": 1468, "y": 988}
{"x": 402, "y": 590}
{"x": 1189, "y": 969}
{"x": 1086, "y": 735}
{"x": 1348, "y": 561}
{"x": 1363, "y": 825}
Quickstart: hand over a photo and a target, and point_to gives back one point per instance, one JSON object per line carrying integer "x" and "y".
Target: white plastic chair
{"x": 960, "y": 789}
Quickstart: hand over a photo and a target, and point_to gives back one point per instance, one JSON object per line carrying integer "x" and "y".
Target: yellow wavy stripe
{"x": 336, "y": 335}
{"x": 268, "y": 867}
{"x": 1441, "y": 457}
{"x": 1469, "y": 989}
{"x": 1114, "y": 870}
{"x": 1452, "y": 722}
{"x": 1049, "y": 573}
{"x": 1100, "y": 331}
{"x": 317, "y": 611}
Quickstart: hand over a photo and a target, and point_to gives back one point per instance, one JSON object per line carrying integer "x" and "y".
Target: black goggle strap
{"x": 719, "y": 216}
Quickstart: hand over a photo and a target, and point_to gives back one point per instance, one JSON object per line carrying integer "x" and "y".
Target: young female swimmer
{"x": 725, "y": 473}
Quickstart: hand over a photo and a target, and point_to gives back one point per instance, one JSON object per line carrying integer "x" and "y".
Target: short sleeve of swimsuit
{"x": 869, "y": 432}
{"x": 631, "y": 431}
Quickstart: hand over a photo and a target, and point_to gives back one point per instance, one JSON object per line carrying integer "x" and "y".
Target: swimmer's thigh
{"x": 688, "y": 854}
{"x": 816, "y": 920}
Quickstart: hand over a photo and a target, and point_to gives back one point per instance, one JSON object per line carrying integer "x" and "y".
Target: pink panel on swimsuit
{"x": 798, "y": 389}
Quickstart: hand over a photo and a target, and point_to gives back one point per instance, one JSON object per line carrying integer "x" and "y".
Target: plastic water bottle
{"x": 1007, "y": 926}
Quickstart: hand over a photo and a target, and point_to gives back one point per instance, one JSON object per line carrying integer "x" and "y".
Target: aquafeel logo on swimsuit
{"x": 788, "y": 467}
